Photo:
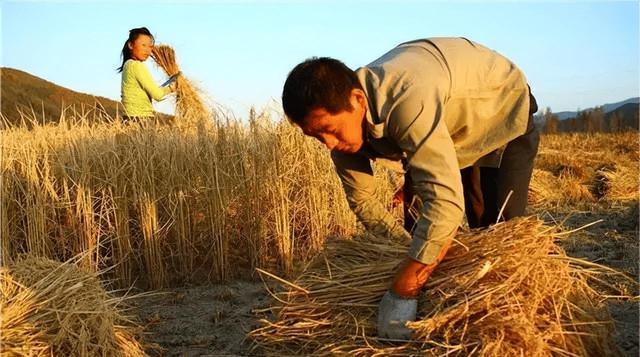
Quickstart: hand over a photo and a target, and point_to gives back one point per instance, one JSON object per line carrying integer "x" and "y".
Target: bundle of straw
{"x": 541, "y": 188}
{"x": 55, "y": 309}
{"x": 505, "y": 291}
{"x": 189, "y": 105}
{"x": 546, "y": 190}
{"x": 616, "y": 182}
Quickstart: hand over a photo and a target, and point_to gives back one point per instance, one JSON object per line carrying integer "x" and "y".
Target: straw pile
{"x": 505, "y": 291}
{"x": 546, "y": 189}
{"x": 598, "y": 168}
{"x": 189, "y": 104}
{"x": 54, "y": 309}
{"x": 616, "y": 182}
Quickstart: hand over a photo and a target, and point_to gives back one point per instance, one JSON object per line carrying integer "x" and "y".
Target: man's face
{"x": 343, "y": 131}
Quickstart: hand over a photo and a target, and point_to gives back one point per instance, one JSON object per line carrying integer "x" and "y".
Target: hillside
{"x": 21, "y": 91}
{"x": 622, "y": 118}
{"x": 606, "y": 107}
{"x": 627, "y": 114}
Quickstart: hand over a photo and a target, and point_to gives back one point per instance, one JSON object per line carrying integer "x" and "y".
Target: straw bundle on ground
{"x": 541, "y": 188}
{"x": 55, "y": 309}
{"x": 546, "y": 189}
{"x": 189, "y": 104}
{"x": 616, "y": 182}
{"x": 505, "y": 291}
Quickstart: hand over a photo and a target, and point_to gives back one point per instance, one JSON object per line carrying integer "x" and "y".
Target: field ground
{"x": 213, "y": 320}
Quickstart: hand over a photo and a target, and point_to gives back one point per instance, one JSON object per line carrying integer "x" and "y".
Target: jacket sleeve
{"x": 148, "y": 84}
{"x": 358, "y": 182}
{"x": 417, "y": 125}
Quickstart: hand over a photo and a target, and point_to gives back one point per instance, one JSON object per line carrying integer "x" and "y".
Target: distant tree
{"x": 631, "y": 121}
{"x": 614, "y": 123}
{"x": 551, "y": 122}
{"x": 567, "y": 125}
{"x": 574, "y": 124}
{"x": 597, "y": 119}
{"x": 578, "y": 124}
{"x": 593, "y": 120}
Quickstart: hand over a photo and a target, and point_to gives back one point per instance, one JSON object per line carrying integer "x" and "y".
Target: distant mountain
{"x": 565, "y": 115}
{"x": 624, "y": 116}
{"x": 21, "y": 91}
{"x": 606, "y": 107}
{"x": 613, "y": 106}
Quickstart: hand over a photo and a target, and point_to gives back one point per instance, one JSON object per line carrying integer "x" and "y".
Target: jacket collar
{"x": 375, "y": 128}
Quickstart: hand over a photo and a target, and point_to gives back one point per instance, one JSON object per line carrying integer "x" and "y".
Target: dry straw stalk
{"x": 190, "y": 107}
{"x": 506, "y": 291}
{"x": 57, "y": 309}
{"x": 163, "y": 205}
{"x": 576, "y": 171}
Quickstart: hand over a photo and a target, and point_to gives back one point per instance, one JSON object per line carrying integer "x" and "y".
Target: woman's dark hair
{"x": 318, "y": 83}
{"x": 133, "y": 36}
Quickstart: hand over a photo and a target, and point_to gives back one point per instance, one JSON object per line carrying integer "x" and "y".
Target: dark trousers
{"x": 487, "y": 188}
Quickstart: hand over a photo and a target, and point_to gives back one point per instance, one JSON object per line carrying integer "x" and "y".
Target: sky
{"x": 575, "y": 54}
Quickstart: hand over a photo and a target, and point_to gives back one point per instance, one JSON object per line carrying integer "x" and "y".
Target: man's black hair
{"x": 318, "y": 83}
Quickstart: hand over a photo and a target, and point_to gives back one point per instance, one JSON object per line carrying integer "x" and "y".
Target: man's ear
{"x": 358, "y": 98}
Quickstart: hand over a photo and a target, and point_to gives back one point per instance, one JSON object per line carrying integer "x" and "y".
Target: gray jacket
{"x": 440, "y": 104}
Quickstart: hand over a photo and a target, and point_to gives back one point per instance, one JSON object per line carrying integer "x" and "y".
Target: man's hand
{"x": 393, "y": 313}
{"x": 400, "y": 303}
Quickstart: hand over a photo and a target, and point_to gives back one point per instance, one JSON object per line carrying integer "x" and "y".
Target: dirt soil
{"x": 613, "y": 243}
{"x": 208, "y": 320}
{"x": 214, "y": 320}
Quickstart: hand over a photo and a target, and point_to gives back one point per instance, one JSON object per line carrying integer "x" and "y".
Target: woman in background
{"x": 137, "y": 86}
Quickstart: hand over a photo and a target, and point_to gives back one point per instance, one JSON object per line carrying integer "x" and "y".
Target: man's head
{"x": 325, "y": 98}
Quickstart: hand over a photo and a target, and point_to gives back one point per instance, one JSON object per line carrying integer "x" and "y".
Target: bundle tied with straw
{"x": 56, "y": 309}
{"x": 505, "y": 291}
{"x": 189, "y": 105}
{"x": 617, "y": 182}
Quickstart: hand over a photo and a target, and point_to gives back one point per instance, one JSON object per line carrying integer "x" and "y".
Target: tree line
{"x": 594, "y": 120}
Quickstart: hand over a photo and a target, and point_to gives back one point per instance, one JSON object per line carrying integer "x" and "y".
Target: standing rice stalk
{"x": 7, "y": 212}
{"x": 123, "y": 250}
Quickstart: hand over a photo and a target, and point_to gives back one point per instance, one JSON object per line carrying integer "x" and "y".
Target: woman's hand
{"x": 173, "y": 86}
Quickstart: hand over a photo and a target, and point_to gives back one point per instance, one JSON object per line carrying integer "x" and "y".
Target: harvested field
{"x": 612, "y": 242}
{"x": 578, "y": 170}
{"x": 182, "y": 324}
{"x": 164, "y": 207}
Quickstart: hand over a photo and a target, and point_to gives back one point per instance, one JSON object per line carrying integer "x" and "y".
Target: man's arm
{"x": 358, "y": 182}
{"x": 417, "y": 125}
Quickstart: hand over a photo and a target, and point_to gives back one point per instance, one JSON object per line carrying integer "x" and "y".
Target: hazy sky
{"x": 575, "y": 54}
